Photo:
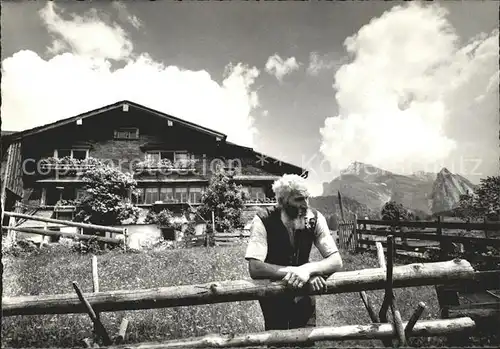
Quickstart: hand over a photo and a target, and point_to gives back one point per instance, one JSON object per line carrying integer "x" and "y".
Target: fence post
{"x": 442, "y": 247}
{"x": 95, "y": 285}
{"x": 125, "y": 237}
{"x": 486, "y": 233}
{"x": 355, "y": 233}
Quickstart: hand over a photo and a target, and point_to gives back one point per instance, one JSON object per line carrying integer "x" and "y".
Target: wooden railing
{"x": 87, "y": 227}
{"x": 245, "y": 290}
{"x": 415, "y": 236}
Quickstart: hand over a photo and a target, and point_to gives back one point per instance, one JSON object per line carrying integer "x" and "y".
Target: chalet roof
{"x": 13, "y": 135}
{"x": 267, "y": 158}
{"x": 7, "y": 133}
{"x": 38, "y": 129}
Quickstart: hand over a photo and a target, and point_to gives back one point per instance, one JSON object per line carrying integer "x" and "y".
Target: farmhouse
{"x": 171, "y": 159}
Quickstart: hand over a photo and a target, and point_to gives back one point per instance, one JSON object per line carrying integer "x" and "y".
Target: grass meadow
{"x": 51, "y": 270}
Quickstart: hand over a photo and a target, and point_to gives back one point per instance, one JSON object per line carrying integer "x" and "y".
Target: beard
{"x": 296, "y": 216}
{"x": 299, "y": 223}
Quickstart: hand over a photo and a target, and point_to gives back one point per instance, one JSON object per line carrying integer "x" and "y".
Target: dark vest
{"x": 279, "y": 248}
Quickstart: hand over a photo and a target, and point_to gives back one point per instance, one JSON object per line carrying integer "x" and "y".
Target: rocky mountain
{"x": 329, "y": 206}
{"x": 373, "y": 187}
{"x": 447, "y": 189}
{"x": 422, "y": 192}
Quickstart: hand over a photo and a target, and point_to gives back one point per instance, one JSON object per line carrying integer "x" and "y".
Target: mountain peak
{"x": 447, "y": 190}
{"x": 361, "y": 169}
{"x": 445, "y": 171}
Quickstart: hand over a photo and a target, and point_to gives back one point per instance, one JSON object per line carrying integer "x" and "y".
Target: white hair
{"x": 287, "y": 185}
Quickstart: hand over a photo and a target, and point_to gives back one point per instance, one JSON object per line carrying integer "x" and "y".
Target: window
{"x": 246, "y": 190}
{"x": 180, "y": 157}
{"x": 68, "y": 193}
{"x": 63, "y": 153}
{"x": 127, "y": 133}
{"x": 181, "y": 194}
{"x": 151, "y": 195}
{"x": 195, "y": 194}
{"x": 257, "y": 193}
{"x": 183, "y": 158}
{"x": 153, "y": 156}
{"x": 80, "y": 193}
{"x": 80, "y": 154}
{"x": 139, "y": 198}
{"x": 157, "y": 155}
{"x": 167, "y": 194}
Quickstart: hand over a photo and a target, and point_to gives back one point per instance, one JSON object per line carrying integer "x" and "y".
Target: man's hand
{"x": 296, "y": 277}
{"x": 317, "y": 283}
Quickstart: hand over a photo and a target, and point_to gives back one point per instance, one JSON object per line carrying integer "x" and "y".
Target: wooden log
{"x": 388, "y": 295}
{"x": 67, "y": 235}
{"x": 434, "y": 237}
{"x": 95, "y": 285}
{"x": 380, "y": 255}
{"x": 95, "y": 275}
{"x": 97, "y": 323}
{"x": 414, "y": 318}
{"x": 433, "y": 224}
{"x": 417, "y": 274}
{"x": 315, "y": 334}
{"x": 87, "y": 342}
{"x": 369, "y": 307}
{"x": 398, "y": 324}
{"x": 122, "y": 331}
{"x": 396, "y": 316}
{"x": 66, "y": 223}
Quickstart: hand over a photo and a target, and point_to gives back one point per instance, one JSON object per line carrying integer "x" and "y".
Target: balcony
{"x": 165, "y": 166}
{"x": 66, "y": 164}
{"x": 260, "y": 202}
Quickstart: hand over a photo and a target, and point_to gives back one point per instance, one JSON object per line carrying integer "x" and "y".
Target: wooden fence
{"x": 347, "y": 235}
{"x": 479, "y": 298}
{"x": 363, "y": 234}
{"x": 81, "y": 226}
{"x": 387, "y": 277}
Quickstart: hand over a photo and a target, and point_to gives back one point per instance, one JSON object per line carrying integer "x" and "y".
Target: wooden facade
{"x": 140, "y": 141}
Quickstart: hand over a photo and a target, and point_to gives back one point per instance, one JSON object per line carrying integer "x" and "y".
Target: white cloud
{"x": 125, "y": 14}
{"x": 86, "y": 35}
{"x": 318, "y": 62}
{"x": 37, "y": 91}
{"x": 415, "y": 99}
{"x": 279, "y": 68}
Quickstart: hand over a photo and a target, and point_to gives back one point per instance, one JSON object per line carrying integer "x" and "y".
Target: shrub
{"x": 483, "y": 203}
{"x": 226, "y": 200}
{"x": 163, "y": 219}
{"x": 105, "y": 202}
{"x": 393, "y": 211}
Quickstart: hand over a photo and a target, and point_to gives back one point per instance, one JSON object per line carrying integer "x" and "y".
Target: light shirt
{"x": 257, "y": 244}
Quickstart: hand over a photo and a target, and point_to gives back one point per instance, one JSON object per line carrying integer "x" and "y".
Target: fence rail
{"x": 230, "y": 291}
{"x": 354, "y": 235}
{"x": 434, "y": 224}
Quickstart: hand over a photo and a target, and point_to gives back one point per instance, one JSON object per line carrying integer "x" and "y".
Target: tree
{"x": 393, "y": 211}
{"x": 225, "y": 199}
{"x": 483, "y": 203}
{"x": 332, "y": 222}
{"x": 105, "y": 200}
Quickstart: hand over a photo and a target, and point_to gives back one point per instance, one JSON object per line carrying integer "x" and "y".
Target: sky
{"x": 402, "y": 86}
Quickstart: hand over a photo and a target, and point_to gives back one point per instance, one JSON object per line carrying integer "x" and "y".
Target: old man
{"x": 280, "y": 243}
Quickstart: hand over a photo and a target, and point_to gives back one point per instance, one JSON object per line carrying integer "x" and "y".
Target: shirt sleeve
{"x": 324, "y": 241}
{"x": 257, "y": 244}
